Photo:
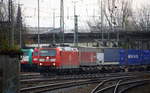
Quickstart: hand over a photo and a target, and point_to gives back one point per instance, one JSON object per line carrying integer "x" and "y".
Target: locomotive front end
{"x": 47, "y": 57}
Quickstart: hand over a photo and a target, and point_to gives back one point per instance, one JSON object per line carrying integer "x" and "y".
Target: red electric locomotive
{"x": 58, "y": 58}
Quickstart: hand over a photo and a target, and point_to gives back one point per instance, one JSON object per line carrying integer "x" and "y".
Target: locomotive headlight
{"x": 54, "y": 64}
{"x": 47, "y": 57}
{"x": 35, "y": 59}
{"x": 41, "y": 64}
{"x": 41, "y": 60}
{"x": 52, "y": 60}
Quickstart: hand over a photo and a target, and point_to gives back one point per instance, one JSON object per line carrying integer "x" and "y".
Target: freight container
{"x": 90, "y": 56}
{"x": 134, "y": 57}
{"x": 111, "y": 56}
{"x": 145, "y": 57}
{"x": 123, "y": 58}
{"x": 100, "y": 58}
{"x": 130, "y": 57}
{"x": 69, "y": 59}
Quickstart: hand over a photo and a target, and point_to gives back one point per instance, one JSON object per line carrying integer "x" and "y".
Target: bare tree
{"x": 117, "y": 15}
{"x": 143, "y": 18}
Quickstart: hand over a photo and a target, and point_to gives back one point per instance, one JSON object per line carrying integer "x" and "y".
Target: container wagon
{"x": 135, "y": 60}
{"x": 90, "y": 59}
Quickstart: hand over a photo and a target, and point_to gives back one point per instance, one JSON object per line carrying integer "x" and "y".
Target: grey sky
{"x": 84, "y": 8}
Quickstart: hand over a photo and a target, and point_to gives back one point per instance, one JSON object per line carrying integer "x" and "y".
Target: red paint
{"x": 34, "y": 56}
{"x": 24, "y": 62}
{"x": 49, "y": 60}
{"x": 66, "y": 58}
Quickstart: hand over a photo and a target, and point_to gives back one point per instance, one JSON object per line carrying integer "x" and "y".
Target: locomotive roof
{"x": 68, "y": 49}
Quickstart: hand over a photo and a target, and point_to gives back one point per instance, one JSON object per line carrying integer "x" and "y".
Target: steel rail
{"x": 70, "y": 77}
{"x": 103, "y": 82}
{"x": 125, "y": 83}
{"x": 58, "y": 85}
{"x": 115, "y": 90}
{"x": 132, "y": 86}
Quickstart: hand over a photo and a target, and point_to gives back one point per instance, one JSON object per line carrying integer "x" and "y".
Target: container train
{"x": 84, "y": 59}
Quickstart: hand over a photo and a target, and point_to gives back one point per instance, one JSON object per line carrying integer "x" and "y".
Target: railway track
{"x": 37, "y": 76}
{"x": 54, "y": 86}
{"x": 50, "y": 87}
{"x": 119, "y": 85}
{"x": 72, "y": 77}
{"x": 123, "y": 87}
{"x": 29, "y": 75}
{"x": 40, "y": 85}
{"x": 37, "y": 81}
{"x": 108, "y": 82}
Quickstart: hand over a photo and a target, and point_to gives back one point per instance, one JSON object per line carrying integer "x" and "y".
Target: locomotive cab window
{"x": 35, "y": 53}
{"x": 48, "y": 52}
{"x": 25, "y": 53}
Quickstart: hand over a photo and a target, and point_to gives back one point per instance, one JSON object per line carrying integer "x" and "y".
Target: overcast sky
{"x": 84, "y": 8}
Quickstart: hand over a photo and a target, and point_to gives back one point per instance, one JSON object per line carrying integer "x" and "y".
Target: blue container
{"x": 130, "y": 57}
{"x": 123, "y": 57}
{"x": 134, "y": 57}
{"x": 145, "y": 57}
{"x": 111, "y": 55}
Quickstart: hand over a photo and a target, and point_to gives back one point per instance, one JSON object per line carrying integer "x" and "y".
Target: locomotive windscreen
{"x": 35, "y": 53}
{"x": 48, "y": 52}
{"x": 25, "y": 53}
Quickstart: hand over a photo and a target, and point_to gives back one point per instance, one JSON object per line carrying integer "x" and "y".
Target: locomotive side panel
{"x": 69, "y": 59}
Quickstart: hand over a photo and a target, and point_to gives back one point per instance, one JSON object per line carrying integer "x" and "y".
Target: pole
{"x": 38, "y": 23}
{"x": 54, "y": 25}
{"x": 76, "y": 31}
{"x": 75, "y": 25}
{"x": 102, "y": 20}
{"x": 62, "y": 21}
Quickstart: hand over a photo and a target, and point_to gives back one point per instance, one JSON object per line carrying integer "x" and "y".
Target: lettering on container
{"x": 133, "y": 56}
